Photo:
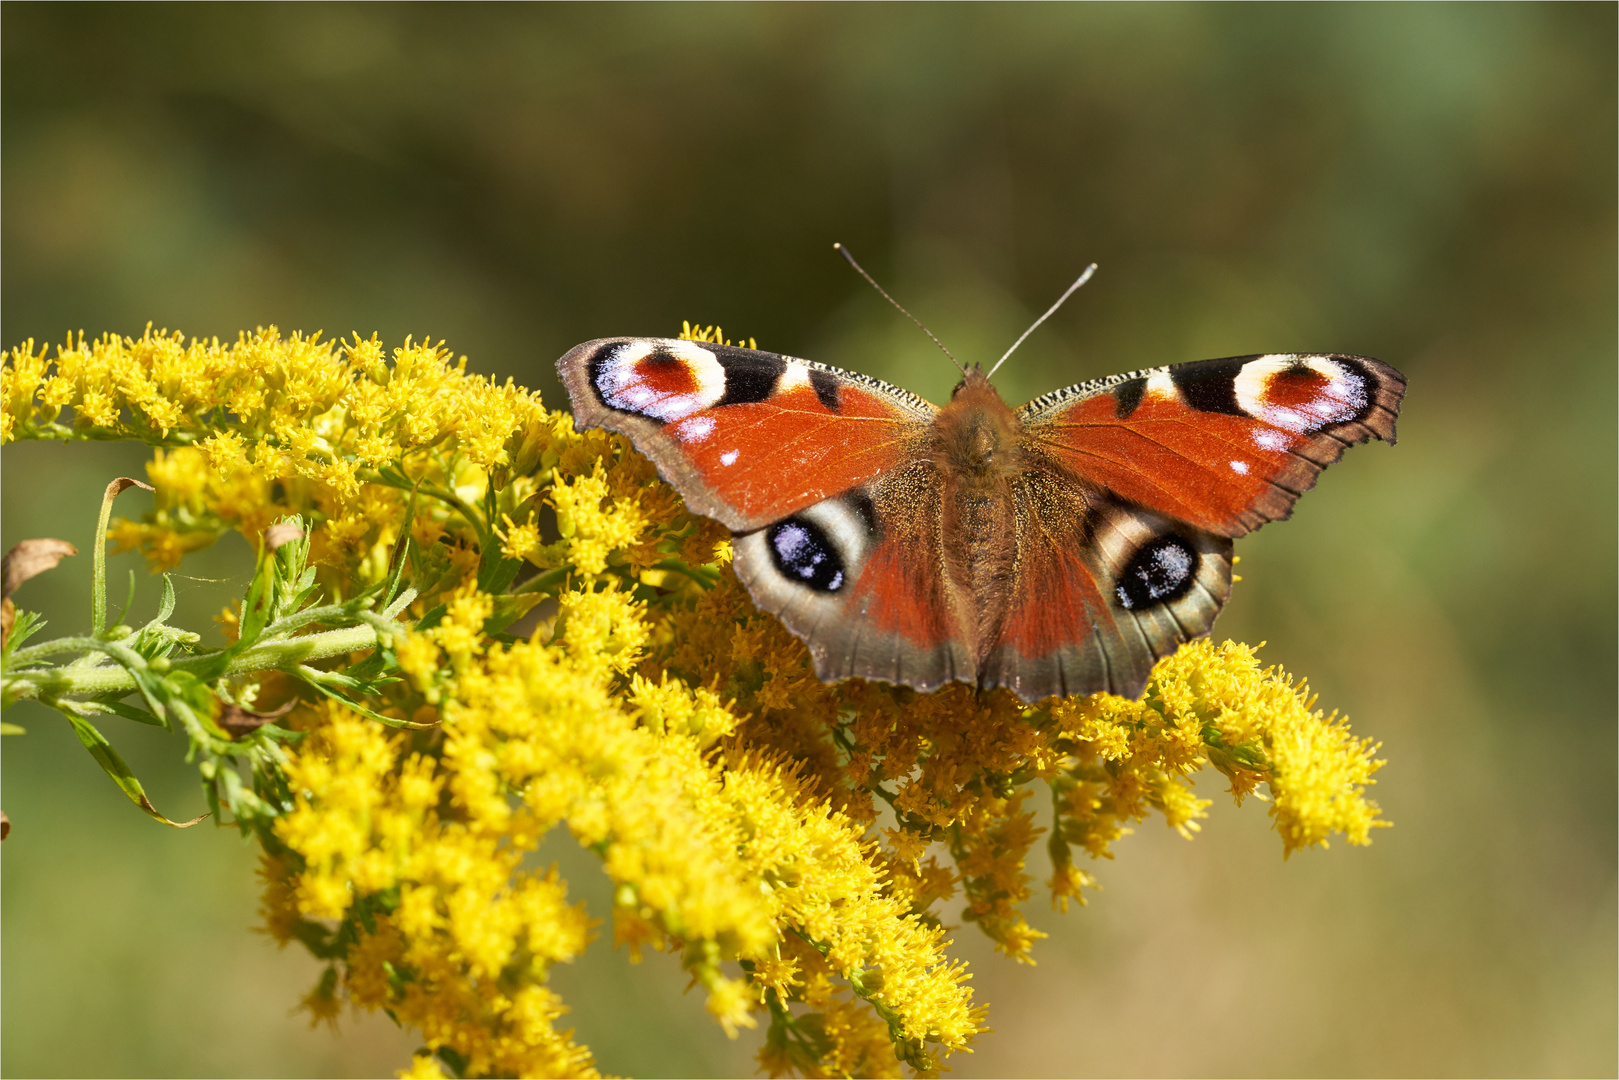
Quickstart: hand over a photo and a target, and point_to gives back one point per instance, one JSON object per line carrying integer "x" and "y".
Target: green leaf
{"x": 434, "y": 616}
{"x": 497, "y": 572}
{"x": 12, "y": 729}
{"x": 28, "y": 623}
{"x": 255, "y": 607}
{"x": 130, "y": 712}
{"x": 108, "y": 759}
{"x": 402, "y": 558}
{"x": 508, "y": 608}
{"x": 129, "y": 600}
{"x": 98, "y": 575}
{"x": 166, "y": 607}
{"x": 391, "y": 721}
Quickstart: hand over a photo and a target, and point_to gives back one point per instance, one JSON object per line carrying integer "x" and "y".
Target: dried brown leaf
{"x": 32, "y": 557}
{"x": 238, "y": 721}
{"x": 284, "y": 533}
{"x": 124, "y": 483}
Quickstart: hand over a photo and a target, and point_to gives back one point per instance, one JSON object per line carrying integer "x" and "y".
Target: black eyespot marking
{"x": 1127, "y": 396}
{"x": 804, "y": 555}
{"x": 749, "y": 377}
{"x": 1210, "y": 385}
{"x": 825, "y": 385}
{"x": 1162, "y": 571}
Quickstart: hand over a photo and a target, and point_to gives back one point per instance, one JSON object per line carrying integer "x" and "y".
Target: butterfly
{"x": 1060, "y": 548}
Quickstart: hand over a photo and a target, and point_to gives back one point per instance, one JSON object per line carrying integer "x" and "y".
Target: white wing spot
{"x": 728, "y": 458}
{"x": 796, "y": 375}
{"x": 1269, "y": 439}
{"x": 1162, "y": 385}
{"x": 1240, "y": 467}
{"x": 696, "y": 429}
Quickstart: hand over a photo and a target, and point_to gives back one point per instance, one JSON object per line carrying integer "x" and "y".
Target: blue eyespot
{"x": 803, "y": 554}
{"x": 1161, "y": 571}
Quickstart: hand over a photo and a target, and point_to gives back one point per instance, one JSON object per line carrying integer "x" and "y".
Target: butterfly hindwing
{"x": 747, "y": 437}
{"x": 859, "y": 578}
{"x": 1224, "y": 445}
{"x": 1102, "y": 590}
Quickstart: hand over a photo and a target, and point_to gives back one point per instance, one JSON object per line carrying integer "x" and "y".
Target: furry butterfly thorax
{"x": 1059, "y": 548}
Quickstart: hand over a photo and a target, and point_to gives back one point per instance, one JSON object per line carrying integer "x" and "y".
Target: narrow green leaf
{"x": 508, "y": 608}
{"x": 497, "y": 572}
{"x": 108, "y": 759}
{"x": 166, "y": 608}
{"x": 130, "y": 712}
{"x": 129, "y": 601}
{"x": 392, "y": 722}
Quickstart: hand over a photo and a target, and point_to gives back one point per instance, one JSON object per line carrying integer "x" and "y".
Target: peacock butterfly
{"x": 1061, "y": 548}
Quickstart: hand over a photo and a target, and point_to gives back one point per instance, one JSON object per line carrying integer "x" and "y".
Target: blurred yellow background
{"x": 1432, "y": 185}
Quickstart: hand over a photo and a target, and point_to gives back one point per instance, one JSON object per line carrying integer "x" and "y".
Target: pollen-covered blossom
{"x": 800, "y": 847}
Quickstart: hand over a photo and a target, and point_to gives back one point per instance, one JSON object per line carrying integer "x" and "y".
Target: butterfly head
{"x": 978, "y": 432}
{"x": 973, "y": 380}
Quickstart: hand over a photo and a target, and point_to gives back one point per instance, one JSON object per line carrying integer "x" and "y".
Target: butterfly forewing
{"x": 1225, "y": 445}
{"x": 747, "y": 437}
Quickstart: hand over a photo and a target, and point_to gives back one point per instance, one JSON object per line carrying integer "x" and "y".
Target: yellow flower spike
{"x": 603, "y": 629}
{"x": 731, "y": 1004}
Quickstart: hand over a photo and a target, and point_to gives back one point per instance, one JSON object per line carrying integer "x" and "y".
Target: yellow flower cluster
{"x": 794, "y": 843}
{"x": 460, "y": 948}
{"x": 325, "y": 422}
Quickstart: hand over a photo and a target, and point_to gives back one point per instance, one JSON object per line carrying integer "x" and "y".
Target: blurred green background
{"x": 1431, "y": 185}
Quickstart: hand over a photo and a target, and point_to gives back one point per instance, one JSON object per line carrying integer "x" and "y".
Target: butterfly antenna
{"x": 841, "y": 250}
{"x": 1083, "y": 278}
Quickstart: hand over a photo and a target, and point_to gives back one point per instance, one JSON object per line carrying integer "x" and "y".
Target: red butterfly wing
{"x": 816, "y": 470}
{"x": 860, "y": 578}
{"x": 1165, "y": 466}
{"x": 746, "y": 437}
{"x": 1224, "y": 445}
{"x": 1101, "y": 591}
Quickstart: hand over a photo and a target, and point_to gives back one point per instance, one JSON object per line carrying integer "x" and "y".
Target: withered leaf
{"x": 22, "y": 562}
{"x": 284, "y": 533}
{"x": 32, "y": 557}
{"x": 124, "y": 483}
{"x": 238, "y": 721}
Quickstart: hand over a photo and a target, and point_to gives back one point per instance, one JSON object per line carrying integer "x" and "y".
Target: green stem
{"x": 445, "y": 495}
{"x": 544, "y": 582}
{"x": 270, "y": 656}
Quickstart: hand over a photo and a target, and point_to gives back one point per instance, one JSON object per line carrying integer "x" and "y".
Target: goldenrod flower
{"x": 794, "y": 843}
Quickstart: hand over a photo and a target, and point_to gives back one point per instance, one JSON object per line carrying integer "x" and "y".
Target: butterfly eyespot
{"x": 661, "y": 381}
{"x": 1162, "y": 570}
{"x": 805, "y": 555}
